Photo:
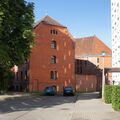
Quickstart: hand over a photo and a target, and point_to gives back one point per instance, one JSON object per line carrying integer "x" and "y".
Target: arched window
{"x": 53, "y": 59}
{"x": 53, "y": 45}
{"x": 56, "y": 75}
{"x": 51, "y": 75}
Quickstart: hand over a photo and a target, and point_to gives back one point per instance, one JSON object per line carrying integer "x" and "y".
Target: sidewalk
{"x": 89, "y": 107}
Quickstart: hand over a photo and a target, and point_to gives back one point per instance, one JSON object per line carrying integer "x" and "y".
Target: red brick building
{"x": 51, "y": 61}
{"x": 89, "y": 63}
{"x": 59, "y": 60}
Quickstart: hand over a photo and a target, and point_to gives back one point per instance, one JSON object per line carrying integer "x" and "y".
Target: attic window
{"x": 43, "y": 21}
{"x": 51, "y": 31}
{"x": 54, "y": 32}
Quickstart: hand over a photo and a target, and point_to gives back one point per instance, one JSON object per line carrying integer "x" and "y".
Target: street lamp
{"x": 103, "y": 77}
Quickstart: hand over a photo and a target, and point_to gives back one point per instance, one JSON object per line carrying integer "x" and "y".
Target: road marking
{"x": 12, "y": 108}
{"x": 24, "y": 103}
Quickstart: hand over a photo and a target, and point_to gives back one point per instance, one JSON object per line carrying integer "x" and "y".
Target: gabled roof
{"x": 90, "y": 46}
{"x": 47, "y": 20}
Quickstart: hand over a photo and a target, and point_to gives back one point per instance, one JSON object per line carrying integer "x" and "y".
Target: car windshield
{"x": 68, "y": 88}
{"x": 49, "y": 88}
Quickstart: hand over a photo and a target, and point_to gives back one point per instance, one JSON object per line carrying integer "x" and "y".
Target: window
{"x": 51, "y": 31}
{"x": 85, "y": 63}
{"x": 52, "y": 75}
{"x": 17, "y": 76}
{"x": 25, "y": 75}
{"x": 77, "y": 69}
{"x": 78, "y": 62}
{"x": 118, "y": 5}
{"x": 53, "y": 45}
{"x": 55, "y": 75}
{"x": 80, "y": 70}
{"x": 97, "y": 66}
{"x": 79, "y": 66}
{"x": 55, "y": 32}
{"x": 97, "y": 60}
{"x": 53, "y": 59}
{"x": 21, "y": 75}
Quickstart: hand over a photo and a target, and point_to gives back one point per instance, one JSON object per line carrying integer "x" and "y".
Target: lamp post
{"x": 103, "y": 77}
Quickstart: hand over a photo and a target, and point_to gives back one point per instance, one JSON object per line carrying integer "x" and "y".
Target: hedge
{"x": 108, "y": 94}
{"x": 116, "y": 97}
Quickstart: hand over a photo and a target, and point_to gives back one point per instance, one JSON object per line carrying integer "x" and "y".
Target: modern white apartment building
{"x": 115, "y": 19}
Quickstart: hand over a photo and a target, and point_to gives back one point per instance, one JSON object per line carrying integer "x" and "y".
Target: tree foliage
{"x": 16, "y": 38}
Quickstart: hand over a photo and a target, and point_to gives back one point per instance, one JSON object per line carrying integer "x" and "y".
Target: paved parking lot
{"x": 82, "y": 107}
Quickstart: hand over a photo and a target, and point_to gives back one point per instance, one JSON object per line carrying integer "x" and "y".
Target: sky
{"x": 83, "y": 18}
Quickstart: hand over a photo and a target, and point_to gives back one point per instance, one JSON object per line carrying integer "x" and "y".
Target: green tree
{"x": 16, "y": 38}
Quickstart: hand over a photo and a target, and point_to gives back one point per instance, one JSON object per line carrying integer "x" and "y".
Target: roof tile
{"x": 47, "y": 20}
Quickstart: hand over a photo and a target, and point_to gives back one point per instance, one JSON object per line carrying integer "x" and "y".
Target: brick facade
{"x": 59, "y": 60}
{"x": 52, "y": 59}
{"x": 86, "y": 83}
{"x": 89, "y": 62}
{"x": 41, "y": 63}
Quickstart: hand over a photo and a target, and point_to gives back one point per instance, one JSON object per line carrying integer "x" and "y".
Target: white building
{"x": 115, "y": 19}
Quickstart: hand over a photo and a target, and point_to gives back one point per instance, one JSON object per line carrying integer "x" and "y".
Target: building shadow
{"x": 33, "y": 102}
{"x": 85, "y": 69}
{"x": 88, "y": 96}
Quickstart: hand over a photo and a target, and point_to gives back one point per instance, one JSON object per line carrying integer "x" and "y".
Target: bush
{"x": 108, "y": 94}
{"x": 116, "y": 97}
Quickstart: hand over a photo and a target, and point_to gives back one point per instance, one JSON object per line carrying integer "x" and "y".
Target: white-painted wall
{"x": 115, "y": 19}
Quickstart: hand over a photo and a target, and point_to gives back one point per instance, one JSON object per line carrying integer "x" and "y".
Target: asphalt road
{"x": 81, "y": 107}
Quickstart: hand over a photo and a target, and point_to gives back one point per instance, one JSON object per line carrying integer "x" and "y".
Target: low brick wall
{"x": 86, "y": 83}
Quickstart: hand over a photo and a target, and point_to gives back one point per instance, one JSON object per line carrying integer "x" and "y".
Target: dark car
{"x": 50, "y": 91}
{"x": 68, "y": 91}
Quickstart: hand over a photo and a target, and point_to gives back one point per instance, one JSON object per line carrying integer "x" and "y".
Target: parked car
{"x": 50, "y": 91}
{"x": 68, "y": 91}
